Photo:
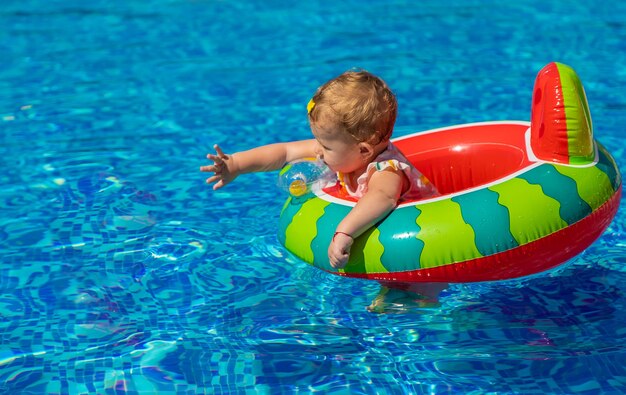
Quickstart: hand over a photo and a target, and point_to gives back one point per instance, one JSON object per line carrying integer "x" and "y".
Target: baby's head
{"x": 357, "y": 103}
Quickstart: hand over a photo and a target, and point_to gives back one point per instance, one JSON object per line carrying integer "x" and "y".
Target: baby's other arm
{"x": 383, "y": 192}
{"x": 226, "y": 167}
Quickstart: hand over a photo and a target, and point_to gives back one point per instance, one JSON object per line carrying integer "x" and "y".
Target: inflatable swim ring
{"x": 517, "y": 198}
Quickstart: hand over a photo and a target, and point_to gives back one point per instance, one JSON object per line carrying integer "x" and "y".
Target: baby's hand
{"x": 339, "y": 250}
{"x": 223, "y": 167}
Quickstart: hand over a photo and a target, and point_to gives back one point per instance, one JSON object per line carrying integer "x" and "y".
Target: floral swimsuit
{"x": 420, "y": 187}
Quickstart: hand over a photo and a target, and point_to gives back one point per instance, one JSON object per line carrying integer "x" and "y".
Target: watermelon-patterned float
{"x": 517, "y": 198}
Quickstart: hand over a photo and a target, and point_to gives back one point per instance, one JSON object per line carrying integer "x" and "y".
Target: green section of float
{"x": 366, "y": 254}
{"x": 593, "y": 185}
{"x": 302, "y": 229}
{"x": 607, "y": 164}
{"x": 561, "y": 188}
{"x": 447, "y": 237}
{"x": 398, "y": 234}
{"x": 284, "y": 170}
{"x": 489, "y": 219}
{"x": 287, "y": 203}
{"x": 577, "y": 115}
{"x": 372, "y": 254}
{"x": 532, "y": 213}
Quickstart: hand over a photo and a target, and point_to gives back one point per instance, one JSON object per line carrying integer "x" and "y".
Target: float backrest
{"x": 561, "y": 127}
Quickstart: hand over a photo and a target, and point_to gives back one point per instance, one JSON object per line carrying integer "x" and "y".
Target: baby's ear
{"x": 366, "y": 150}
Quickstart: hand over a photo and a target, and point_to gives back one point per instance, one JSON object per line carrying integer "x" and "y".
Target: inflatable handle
{"x": 560, "y": 122}
{"x": 297, "y": 177}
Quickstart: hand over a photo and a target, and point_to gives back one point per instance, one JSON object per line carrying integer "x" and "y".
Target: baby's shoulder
{"x": 390, "y": 159}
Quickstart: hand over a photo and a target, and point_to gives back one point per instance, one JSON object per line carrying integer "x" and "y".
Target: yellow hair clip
{"x": 310, "y": 106}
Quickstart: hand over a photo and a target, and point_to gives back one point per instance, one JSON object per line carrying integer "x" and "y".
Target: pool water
{"x": 123, "y": 273}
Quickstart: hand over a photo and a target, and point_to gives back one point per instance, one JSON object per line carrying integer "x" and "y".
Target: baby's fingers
{"x": 218, "y": 185}
{"x": 219, "y": 161}
{"x": 220, "y": 181}
{"x": 338, "y": 262}
{"x": 337, "y": 257}
{"x": 214, "y": 168}
{"x": 212, "y": 179}
{"x": 213, "y": 157}
{"x": 219, "y": 151}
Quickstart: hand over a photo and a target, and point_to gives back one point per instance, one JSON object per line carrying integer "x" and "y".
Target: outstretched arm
{"x": 265, "y": 158}
{"x": 383, "y": 192}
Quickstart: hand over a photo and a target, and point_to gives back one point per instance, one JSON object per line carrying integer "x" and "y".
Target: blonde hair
{"x": 358, "y": 101}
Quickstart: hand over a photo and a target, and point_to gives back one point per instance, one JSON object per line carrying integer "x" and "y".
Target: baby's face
{"x": 339, "y": 150}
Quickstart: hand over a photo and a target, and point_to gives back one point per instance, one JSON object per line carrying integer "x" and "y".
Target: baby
{"x": 352, "y": 118}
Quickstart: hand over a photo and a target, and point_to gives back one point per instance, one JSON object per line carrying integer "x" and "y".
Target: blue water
{"x": 122, "y": 272}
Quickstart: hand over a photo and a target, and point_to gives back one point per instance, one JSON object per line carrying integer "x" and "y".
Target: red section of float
{"x": 548, "y": 113}
{"x": 471, "y": 155}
